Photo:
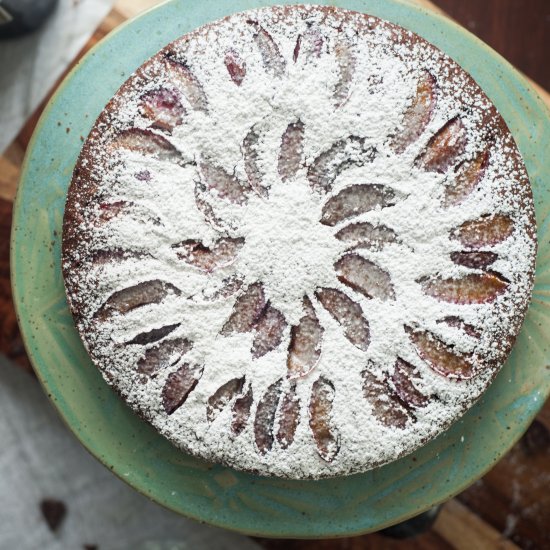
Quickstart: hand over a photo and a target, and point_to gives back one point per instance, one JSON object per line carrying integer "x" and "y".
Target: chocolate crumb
{"x": 53, "y": 511}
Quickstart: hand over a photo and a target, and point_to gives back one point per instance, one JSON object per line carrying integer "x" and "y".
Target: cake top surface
{"x": 299, "y": 241}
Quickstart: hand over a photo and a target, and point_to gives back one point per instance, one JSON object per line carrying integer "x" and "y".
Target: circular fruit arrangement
{"x": 299, "y": 241}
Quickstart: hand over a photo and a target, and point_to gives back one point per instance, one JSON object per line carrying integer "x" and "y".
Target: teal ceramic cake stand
{"x": 218, "y": 495}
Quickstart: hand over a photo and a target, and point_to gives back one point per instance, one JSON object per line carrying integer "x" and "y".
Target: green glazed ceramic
{"x": 218, "y": 495}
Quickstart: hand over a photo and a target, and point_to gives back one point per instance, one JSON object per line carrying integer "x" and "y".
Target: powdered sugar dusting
{"x": 202, "y": 163}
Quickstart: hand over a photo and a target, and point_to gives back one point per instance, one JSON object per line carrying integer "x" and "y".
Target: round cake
{"x": 299, "y": 241}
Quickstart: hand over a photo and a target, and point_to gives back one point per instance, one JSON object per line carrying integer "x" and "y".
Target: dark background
{"x": 517, "y": 29}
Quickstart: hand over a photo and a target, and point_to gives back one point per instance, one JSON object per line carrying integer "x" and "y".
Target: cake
{"x": 299, "y": 241}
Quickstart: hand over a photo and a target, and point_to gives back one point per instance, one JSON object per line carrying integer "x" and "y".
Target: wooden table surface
{"x": 509, "y": 507}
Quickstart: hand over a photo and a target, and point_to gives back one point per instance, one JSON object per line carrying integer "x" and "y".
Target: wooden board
{"x": 508, "y": 508}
